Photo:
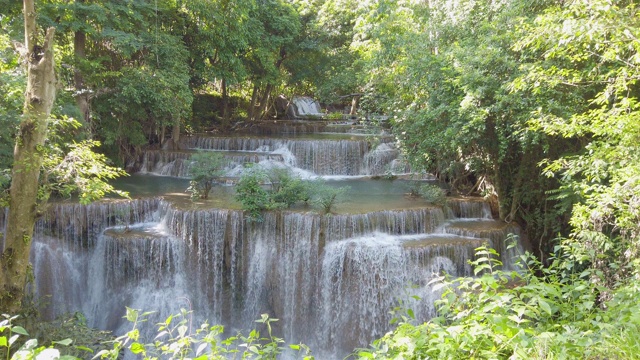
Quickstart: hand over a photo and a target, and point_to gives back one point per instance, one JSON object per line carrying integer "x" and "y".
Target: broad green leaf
{"x": 545, "y": 306}
{"x": 19, "y": 330}
{"x": 137, "y": 348}
{"x": 65, "y": 342}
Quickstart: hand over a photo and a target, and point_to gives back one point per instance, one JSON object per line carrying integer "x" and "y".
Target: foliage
{"x": 327, "y": 197}
{"x": 591, "y": 49}
{"x": 287, "y": 189}
{"x": 206, "y": 170}
{"x": 252, "y": 195}
{"x": 12, "y": 85}
{"x": 79, "y": 170}
{"x": 86, "y": 341}
{"x": 10, "y": 337}
{"x": 517, "y": 315}
{"x": 5, "y": 182}
{"x": 71, "y": 167}
{"x": 175, "y": 340}
{"x": 260, "y": 190}
{"x": 433, "y": 194}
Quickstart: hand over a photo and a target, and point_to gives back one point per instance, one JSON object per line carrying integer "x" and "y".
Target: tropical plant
{"x": 12, "y": 335}
{"x": 287, "y": 189}
{"x": 259, "y": 190}
{"x": 327, "y": 197}
{"x": 251, "y": 194}
{"x": 537, "y": 312}
{"x": 175, "y": 340}
{"x": 433, "y": 194}
{"x": 590, "y": 49}
{"x": 206, "y": 169}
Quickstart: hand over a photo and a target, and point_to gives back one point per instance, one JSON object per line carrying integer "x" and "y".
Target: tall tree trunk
{"x": 264, "y": 101}
{"x": 39, "y": 97}
{"x": 254, "y": 100}
{"x": 175, "y": 134}
{"x": 82, "y": 93}
{"x": 354, "y": 104}
{"x": 225, "y": 103}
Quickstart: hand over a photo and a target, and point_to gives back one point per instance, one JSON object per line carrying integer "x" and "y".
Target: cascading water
{"x": 312, "y": 157}
{"x": 330, "y": 279}
{"x": 305, "y": 107}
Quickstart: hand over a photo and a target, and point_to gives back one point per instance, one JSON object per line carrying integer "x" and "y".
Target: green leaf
{"x": 13, "y": 339}
{"x": 201, "y": 348}
{"x": 132, "y": 315}
{"x": 65, "y": 342}
{"x": 410, "y": 313}
{"x": 19, "y": 330}
{"x": 545, "y": 306}
{"x": 84, "y": 348}
{"x": 137, "y": 348}
{"x": 100, "y": 354}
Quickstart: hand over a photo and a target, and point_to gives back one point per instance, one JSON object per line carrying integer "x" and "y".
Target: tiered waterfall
{"x": 332, "y": 280}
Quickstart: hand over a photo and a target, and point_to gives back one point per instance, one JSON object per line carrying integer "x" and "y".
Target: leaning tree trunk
{"x": 354, "y": 105}
{"x": 39, "y": 97}
{"x": 264, "y": 101}
{"x": 175, "y": 133}
{"x": 252, "y": 105}
{"x": 225, "y": 104}
{"x": 82, "y": 94}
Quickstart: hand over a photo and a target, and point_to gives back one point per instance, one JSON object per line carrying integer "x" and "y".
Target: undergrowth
{"x": 538, "y": 312}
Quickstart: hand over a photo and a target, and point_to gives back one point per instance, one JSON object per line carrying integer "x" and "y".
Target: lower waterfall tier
{"x": 332, "y": 280}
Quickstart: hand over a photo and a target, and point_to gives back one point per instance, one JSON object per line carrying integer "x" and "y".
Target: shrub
{"x": 286, "y": 189}
{"x": 433, "y": 194}
{"x": 537, "y": 313}
{"x": 326, "y": 197}
{"x": 206, "y": 170}
{"x": 252, "y": 195}
{"x": 13, "y": 336}
{"x": 176, "y": 341}
{"x": 283, "y": 191}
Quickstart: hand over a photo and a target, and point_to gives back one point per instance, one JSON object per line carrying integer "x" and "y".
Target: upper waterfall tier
{"x": 335, "y": 155}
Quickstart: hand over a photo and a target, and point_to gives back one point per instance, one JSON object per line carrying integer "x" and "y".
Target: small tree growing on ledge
{"x": 327, "y": 197}
{"x": 206, "y": 170}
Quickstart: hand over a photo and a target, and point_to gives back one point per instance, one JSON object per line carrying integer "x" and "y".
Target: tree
{"x": 50, "y": 158}
{"x": 206, "y": 170}
{"x": 39, "y": 97}
{"x": 591, "y": 48}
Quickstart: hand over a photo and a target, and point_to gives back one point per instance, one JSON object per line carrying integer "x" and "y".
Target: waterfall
{"x": 319, "y": 274}
{"x": 355, "y": 156}
{"x": 469, "y": 208}
{"x": 332, "y": 280}
{"x": 385, "y": 158}
{"x": 305, "y": 107}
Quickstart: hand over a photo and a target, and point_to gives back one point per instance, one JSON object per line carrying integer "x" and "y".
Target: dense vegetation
{"x": 532, "y": 104}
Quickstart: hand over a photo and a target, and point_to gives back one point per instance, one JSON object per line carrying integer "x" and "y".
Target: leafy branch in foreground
{"x": 520, "y": 314}
{"x": 175, "y": 340}
{"x": 81, "y": 171}
{"x": 10, "y": 338}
